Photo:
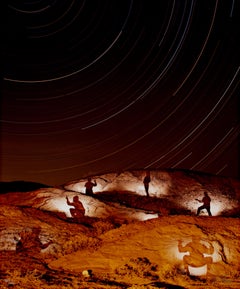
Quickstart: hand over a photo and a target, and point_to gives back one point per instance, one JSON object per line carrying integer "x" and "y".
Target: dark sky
{"x": 99, "y": 85}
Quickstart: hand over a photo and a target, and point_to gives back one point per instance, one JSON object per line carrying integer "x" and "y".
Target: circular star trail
{"x": 95, "y": 86}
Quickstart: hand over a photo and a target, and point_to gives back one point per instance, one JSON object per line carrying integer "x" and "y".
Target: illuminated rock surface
{"x": 125, "y": 240}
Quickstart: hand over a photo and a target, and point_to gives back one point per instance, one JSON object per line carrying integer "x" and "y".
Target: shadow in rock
{"x": 165, "y": 285}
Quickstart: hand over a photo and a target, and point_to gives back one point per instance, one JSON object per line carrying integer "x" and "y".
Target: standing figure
{"x": 89, "y": 186}
{"x": 146, "y": 181}
{"x": 206, "y": 200}
{"x": 78, "y": 211}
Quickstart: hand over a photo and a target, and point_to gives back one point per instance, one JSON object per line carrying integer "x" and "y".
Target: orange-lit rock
{"x": 126, "y": 239}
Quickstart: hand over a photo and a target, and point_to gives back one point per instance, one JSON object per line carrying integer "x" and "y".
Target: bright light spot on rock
{"x": 197, "y": 271}
{"x": 60, "y": 205}
{"x": 98, "y": 209}
{"x": 80, "y": 187}
{"x": 155, "y": 190}
{"x": 217, "y": 208}
{"x": 124, "y": 182}
{"x": 146, "y": 216}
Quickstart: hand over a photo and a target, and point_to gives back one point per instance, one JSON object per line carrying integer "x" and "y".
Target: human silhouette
{"x": 30, "y": 242}
{"x": 196, "y": 251}
{"x": 206, "y": 200}
{"x": 146, "y": 181}
{"x": 89, "y": 186}
{"x": 78, "y": 211}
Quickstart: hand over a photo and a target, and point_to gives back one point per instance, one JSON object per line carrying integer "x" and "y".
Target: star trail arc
{"x": 93, "y": 86}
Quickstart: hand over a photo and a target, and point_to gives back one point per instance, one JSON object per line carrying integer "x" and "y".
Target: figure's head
{"x": 205, "y": 194}
{"x": 195, "y": 239}
{"x": 75, "y": 198}
{"x": 89, "y": 179}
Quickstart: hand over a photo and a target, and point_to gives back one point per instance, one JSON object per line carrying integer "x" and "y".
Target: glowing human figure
{"x": 196, "y": 251}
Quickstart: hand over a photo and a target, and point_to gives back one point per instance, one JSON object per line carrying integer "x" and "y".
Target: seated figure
{"x": 78, "y": 211}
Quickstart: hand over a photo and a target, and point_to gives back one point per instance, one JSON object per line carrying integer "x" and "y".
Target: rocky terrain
{"x": 125, "y": 239}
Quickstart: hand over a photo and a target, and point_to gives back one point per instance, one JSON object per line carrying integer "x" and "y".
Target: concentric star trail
{"x": 97, "y": 86}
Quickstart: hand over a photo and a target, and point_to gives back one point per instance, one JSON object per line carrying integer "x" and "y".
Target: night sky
{"x": 97, "y": 86}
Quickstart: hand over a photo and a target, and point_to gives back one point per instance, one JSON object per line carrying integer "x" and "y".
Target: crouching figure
{"x": 78, "y": 211}
{"x": 196, "y": 254}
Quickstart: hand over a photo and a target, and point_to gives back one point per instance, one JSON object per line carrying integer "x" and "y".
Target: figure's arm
{"x": 69, "y": 203}
{"x": 95, "y": 183}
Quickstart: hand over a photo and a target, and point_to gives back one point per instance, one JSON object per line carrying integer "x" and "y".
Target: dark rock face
{"x": 20, "y": 186}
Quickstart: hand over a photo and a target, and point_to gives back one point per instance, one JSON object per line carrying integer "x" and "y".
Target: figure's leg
{"x": 208, "y": 210}
{"x": 146, "y": 189}
{"x": 89, "y": 192}
{"x": 73, "y": 212}
{"x": 208, "y": 260}
{"x": 79, "y": 214}
{"x": 199, "y": 209}
{"x": 186, "y": 263}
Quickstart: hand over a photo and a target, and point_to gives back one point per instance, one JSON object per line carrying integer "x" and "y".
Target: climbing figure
{"x": 206, "y": 200}
{"x": 89, "y": 186}
{"x": 146, "y": 181}
{"x": 78, "y": 211}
